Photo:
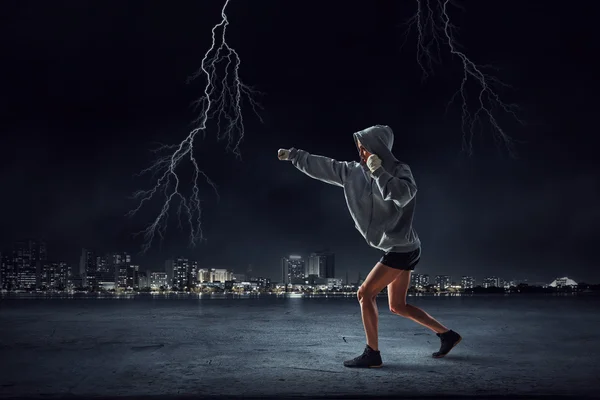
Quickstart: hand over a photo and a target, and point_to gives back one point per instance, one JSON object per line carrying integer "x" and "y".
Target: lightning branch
{"x": 221, "y": 103}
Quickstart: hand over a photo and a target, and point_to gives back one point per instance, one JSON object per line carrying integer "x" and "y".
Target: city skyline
{"x": 97, "y": 269}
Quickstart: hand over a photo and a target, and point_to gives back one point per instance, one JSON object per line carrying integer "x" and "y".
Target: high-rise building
{"x": 222, "y": 275}
{"x": 144, "y": 280}
{"x": 105, "y": 269}
{"x": 467, "y": 282}
{"x": 213, "y": 275}
{"x": 8, "y": 272}
{"x": 2, "y": 271}
{"x": 169, "y": 270}
{"x": 121, "y": 258}
{"x": 491, "y": 281}
{"x": 321, "y": 264}
{"x": 57, "y": 276}
{"x": 292, "y": 270}
{"x": 419, "y": 281}
{"x": 28, "y": 258}
{"x": 181, "y": 271}
{"x": 133, "y": 277}
{"x": 178, "y": 272}
{"x": 413, "y": 279}
{"x": 442, "y": 282}
{"x": 159, "y": 280}
{"x": 193, "y": 275}
{"x": 125, "y": 274}
{"x": 63, "y": 276}
{"x": 264, "y": 283}
{"x": 313, "y": 264}
{"x": 285, "y": 271}
{"x": 204, "y": 275}
{"x": 88, "y": 270}
{"x": 45, "y": 274}
{"x": 121, "y": 275}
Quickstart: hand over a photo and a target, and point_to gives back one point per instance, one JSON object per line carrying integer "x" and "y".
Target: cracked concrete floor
{"x": 277, "y": 346}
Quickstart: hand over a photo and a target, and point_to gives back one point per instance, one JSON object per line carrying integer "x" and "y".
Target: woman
{"x": 380, "y": 194}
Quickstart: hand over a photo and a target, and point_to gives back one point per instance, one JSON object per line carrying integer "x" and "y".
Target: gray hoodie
{"x": 382, "y": 204}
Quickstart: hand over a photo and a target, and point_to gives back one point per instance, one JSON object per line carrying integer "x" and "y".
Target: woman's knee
{"x": 364, "y": 294}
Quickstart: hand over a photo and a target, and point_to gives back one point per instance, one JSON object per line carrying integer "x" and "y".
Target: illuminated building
{"x": 419, "y": 281}
{"x": 442, "y": 282}
{"x": 467, "y": 282}
{"x": 321, "y": 264}
{"x": 88, "y": 269}
{"x": 562, "y": 282}
{"x": 213, "y": 275}
{"x": 158, "y": 280}
{"x": 28, "y": 258}
{"x": 292, "y": 269}
{"x": 491, "y": 281}
{"x": 8, "y": 273}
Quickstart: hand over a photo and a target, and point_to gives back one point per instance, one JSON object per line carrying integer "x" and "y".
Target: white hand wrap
{"x": 373, "y": 162}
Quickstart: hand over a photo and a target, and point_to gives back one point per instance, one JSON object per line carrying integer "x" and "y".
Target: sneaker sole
{"x": 444, "y": 355}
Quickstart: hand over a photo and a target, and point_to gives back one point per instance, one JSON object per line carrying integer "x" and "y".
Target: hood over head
{"x": 378, "y": 140}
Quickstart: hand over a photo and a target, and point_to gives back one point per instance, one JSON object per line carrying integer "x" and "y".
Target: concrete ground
{"x": 165, "y": 348}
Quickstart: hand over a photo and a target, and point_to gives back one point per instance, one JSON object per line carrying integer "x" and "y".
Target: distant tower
{"x": 285, "y": 271}
{"x": 292, "y": 269}
{"x": 193, "y": 274}
{"x": 8, "y": 272}
{"x": 321, "y": 264}
{"x": 346, "y": 277}
{"x": 170, "y": 270}
{"x": 28, "y": 258}
{"x": 88, "y": 269}
{"x": 125, "y": 273}
{"x": 181, "y": 270}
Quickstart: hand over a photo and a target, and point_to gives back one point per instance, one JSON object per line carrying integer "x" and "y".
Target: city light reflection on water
{"x": 157, "y": 296}
{"x": 216, "y": 296}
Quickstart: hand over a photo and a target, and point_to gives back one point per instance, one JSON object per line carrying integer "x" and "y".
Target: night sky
{"x": 88, "y": 88}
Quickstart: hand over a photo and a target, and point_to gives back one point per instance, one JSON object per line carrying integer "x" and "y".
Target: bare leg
{"x": 397, "y": 300}
{"x": 379, "y": 277}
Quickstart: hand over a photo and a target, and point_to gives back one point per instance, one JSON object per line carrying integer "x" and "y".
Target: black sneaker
{"x": 368, "y": 359}
{"x": 449, "y": 340}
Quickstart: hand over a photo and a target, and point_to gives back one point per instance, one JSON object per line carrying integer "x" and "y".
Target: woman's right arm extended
{"x": 322, "y": 168}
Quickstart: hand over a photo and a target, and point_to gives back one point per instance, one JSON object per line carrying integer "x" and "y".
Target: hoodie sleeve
{"x": 321, "y": 168}
{"x": 399, "y": 188}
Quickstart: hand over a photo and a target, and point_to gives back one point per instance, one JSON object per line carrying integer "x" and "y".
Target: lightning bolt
{"x": 222, "y": 103}
{"x": 434, "y": 28}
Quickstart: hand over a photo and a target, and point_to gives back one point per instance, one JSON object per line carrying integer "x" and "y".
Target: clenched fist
{"x": 373, "y": 162}
{"x": 283, "y": 154}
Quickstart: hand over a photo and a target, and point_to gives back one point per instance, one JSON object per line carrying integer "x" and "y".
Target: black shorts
{"x": 404, "y": 261}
